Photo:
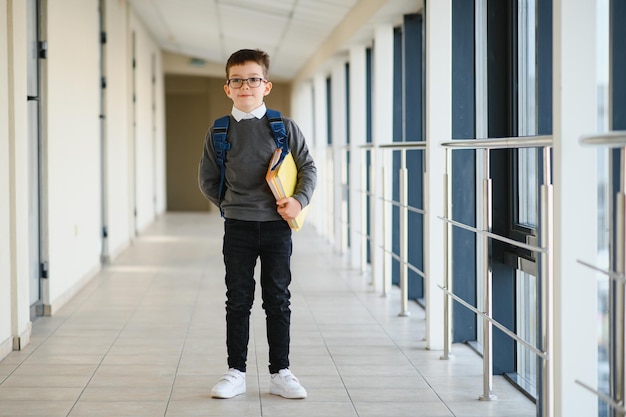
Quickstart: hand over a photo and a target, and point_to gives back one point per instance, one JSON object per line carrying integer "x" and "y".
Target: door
{"x": 34, "y": 223}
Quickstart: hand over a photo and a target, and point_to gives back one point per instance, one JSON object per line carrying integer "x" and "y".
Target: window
{"x": 527, "y": 120}
{"x": 526, "y": 325}
{"x": 526, "y": 210}
{"x": 603, "y": 292}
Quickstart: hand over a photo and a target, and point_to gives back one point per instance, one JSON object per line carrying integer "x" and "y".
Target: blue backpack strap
{"x": 220, "y": 127}
{"x": 279, "y": 132}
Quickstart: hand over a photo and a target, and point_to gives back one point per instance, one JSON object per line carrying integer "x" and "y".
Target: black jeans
{"x": 244, "y": 242}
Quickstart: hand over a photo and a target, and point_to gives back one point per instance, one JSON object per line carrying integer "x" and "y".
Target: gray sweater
{"x": 247, "y": 196}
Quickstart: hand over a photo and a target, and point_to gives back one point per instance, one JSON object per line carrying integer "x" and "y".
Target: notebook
{"x": 282, "y": 181}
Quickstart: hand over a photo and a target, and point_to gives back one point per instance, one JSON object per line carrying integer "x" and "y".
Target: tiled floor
{"x": 146, "y": 338}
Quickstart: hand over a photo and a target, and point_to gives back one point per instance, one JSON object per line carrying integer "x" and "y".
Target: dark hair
{"x": 249, "y": 55}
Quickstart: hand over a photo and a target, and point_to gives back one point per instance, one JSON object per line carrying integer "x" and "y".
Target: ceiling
{"x": 298, "y": 34}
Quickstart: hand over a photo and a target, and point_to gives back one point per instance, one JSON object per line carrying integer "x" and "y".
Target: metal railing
{"x": 375, "y": 195}
{"x": 617, "y": 292}
{"x": 377, "y": 192}
{"x": 544, "y": 251}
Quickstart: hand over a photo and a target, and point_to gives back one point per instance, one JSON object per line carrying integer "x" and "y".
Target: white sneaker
{"x": 231, "y": 384}
{"x": 285, "y": 384}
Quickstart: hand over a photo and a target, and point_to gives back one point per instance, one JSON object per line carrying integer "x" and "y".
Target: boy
{"x": 255, "y": 223}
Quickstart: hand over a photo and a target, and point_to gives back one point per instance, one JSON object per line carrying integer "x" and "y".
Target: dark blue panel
{"x": 413, "y": 78}
{"x": 329, "y": 112}
{"x": 502, "y": 70}
{"x": 395, "y": 222}
{"x": 368, "y": 136}
{"x": 397, "y": 87}
{"x": 463, "y": 70}
{"x": 504, "y": 313}
{"x": 544, "y": 67}
{"x": 502, "y": 122}
{"x": 618, "y": 107}
{"x": 415, "y": 163}
{"x": 347, "y": 155}
{"x": 618, "y": 52}
{"x": 464, "y": 243}
{"x": 368, "y": 94}
{"x": 413, "y": 131}
{"x": 368, "y": 207}
{"x": 501, "y": 97}
{"x": 416, "y": 239}
{"x": 463, "y": 168}
{"x": 397, "y": 137}
{"x": 347, "y": 92}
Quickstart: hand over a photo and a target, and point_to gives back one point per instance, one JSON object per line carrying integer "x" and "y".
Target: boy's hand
{"x": 288, "y": 208}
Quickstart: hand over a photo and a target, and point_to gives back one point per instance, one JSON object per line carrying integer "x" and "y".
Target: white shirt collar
{"x": 259, "y": 112}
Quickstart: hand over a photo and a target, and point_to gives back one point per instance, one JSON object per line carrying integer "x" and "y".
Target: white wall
{"x": 73, "y": 139}
{"x": 149, "y": 135}
{"x": 14, "y": 265}
{"x": 159, "y": 134}
{"x": 74, "y": 179}
{"x": 5, "y": 270}
{"x": 19, "y": 176}
{"x": 117, "y": 109}
{"x": 132, "y": 155}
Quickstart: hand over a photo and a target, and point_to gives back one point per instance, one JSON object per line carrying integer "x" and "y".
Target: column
{"x": 438, "y": 128}
{"x": 319, "y": 153}
{"x": 339, "y": 139}
{"x": 18, "y": 175}
{"x": 382, "y": 119}
{"x": 357, "y": 123}
{"x": 575, "y": 206}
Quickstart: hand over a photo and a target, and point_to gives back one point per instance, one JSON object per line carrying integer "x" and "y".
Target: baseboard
{"x": 19, "y": 342}
{"x": 6, "y": 347}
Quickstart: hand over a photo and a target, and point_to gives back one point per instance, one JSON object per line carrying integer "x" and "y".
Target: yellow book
{"x": 282, "y": 181}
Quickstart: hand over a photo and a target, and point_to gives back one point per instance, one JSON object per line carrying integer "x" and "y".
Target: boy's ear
{"x": 268, "y": 88}
{"x": 226, "y": 89}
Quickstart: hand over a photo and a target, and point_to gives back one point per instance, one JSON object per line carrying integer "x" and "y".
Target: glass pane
{"x": 527, "y": 187}
{"x": 527, "y": 158}
{"x": 604, "y": 373}
{"x": 526, "y": 294}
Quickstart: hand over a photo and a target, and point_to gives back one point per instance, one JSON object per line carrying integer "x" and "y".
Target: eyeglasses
{"x": 252, "y": 82}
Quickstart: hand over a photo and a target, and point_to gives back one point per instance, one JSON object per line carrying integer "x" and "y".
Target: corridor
{"x": 146, "y": 338}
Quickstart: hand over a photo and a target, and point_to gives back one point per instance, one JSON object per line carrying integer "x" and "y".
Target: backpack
{"x": 220, "y": 128}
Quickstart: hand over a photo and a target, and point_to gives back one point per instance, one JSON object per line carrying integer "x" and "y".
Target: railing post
{"x": 547, "y": 283}
{"x": 487, "y": 289}
{"x": 364, "y": 237}
{"x": 620, "y": 304}
{"x": 404, "y": 237}
{"x": 372, "y": 218}
{"x": 618, "y": 379}
{"x": 330, "y": 198}
{"x": 385, "y": 216}
{"x": 447, "y": 258}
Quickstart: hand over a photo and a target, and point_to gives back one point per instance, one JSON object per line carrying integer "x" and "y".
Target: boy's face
{"x": 247, "y": 98}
